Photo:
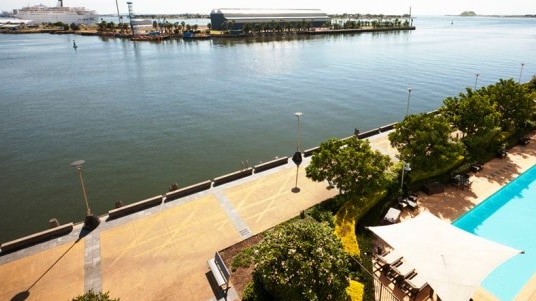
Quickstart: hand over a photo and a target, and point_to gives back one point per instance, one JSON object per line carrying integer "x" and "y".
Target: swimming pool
{"x": 508, "y": 217}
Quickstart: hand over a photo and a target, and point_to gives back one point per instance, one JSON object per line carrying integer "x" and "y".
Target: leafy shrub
{"x": 244, "y": 259}
{"x": 302, "y": 260}
{"x": 355, "y": 290}
{"x": 94, "y": 296}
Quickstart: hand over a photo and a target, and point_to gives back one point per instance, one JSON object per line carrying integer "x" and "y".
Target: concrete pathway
{"x": 160, "y": 253}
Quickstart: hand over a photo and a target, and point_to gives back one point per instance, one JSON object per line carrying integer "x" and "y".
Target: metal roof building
{"x": 237, "y": 18}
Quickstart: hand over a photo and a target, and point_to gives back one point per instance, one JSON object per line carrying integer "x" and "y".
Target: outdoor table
{"x": 392, "y": 215}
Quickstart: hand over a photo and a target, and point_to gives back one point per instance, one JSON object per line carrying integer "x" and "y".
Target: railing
{"x": 381, "y": 291}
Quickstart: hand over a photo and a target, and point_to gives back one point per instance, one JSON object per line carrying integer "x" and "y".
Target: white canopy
{"x": 453, "y": 262}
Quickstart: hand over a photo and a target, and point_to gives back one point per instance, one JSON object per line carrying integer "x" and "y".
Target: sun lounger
{"x": 386, "y": 260}
{"x": 414, "y": 284}
{"x": 400, "y": 271}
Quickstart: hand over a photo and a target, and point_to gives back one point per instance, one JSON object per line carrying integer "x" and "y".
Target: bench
{"x": 220, "y": 271}
{"x": 36, "y": 238}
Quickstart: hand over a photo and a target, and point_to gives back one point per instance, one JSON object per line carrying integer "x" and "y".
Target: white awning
{"x": 453, "y": 262}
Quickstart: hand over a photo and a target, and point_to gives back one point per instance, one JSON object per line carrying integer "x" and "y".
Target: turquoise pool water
{"x": 508, "y": 217}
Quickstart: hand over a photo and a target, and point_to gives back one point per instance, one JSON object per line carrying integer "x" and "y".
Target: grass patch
{"x": 244, "y": 259}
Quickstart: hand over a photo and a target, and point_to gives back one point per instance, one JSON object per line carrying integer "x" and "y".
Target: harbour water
{"x": 145, "y": 115}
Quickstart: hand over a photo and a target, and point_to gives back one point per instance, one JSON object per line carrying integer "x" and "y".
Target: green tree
{"x": 74, "y": 26}
{"x": 303, "y": 260}
{"x": 476, "y": 117}
{"x": 531, "y": 85}
{"x": 93, "y": 296}
{"x": 350, "y": 165}
{"x": 513, "y": 101}
{"x": 425, "y": 141}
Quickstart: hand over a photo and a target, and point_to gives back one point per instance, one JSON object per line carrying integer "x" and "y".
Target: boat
{"x": 68, "y": 15}
{"x": 152, "y": 36}
{"x": 195, "y": 36}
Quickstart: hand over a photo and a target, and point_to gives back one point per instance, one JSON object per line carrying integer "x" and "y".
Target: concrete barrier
{"x": 388, "y": 127}
{"x": 36, "y": 238}
{"x": 233, "y": 176}
{"x": 270, "y": 164}
{"x": 311, "y": 151}
{"x": 368, "y": 134}
{"x": 135, "y": 207}
{"x": 179, "y": 193}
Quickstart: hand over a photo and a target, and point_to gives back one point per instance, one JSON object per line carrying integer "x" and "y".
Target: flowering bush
{"x": 303, "y": 260}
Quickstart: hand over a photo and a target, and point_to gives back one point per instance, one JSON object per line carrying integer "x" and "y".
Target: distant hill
{"x": 468, "y": 14}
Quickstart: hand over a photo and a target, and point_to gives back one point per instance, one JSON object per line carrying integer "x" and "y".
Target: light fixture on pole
{"x": 297, "y": 157}
{"x": 405, "y": 169}
{"x": 91, "y": 222}
{"x": 521, "y": 72}
{"x": 476, "y": 80}
{"x": 409, "y": 97}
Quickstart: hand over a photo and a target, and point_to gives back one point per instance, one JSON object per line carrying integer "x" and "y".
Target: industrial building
{"x": 238, "y": 18}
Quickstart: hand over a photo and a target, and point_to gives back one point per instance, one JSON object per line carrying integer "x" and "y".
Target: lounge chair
{"x": 400, "y": 271}
{"x": 414, "y": 284}
{"x": 383, "y": 261}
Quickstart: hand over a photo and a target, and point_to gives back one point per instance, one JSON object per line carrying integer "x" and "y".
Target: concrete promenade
{"x": 161, "y": 253}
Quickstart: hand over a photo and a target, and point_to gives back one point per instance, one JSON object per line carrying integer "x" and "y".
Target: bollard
{"x": 53, "y": 223}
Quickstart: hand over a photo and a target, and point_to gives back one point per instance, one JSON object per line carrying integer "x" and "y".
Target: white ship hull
{"x": 67, "y": 15}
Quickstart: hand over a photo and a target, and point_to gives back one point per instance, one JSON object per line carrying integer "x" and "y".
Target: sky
{"x": 386, "y": 7}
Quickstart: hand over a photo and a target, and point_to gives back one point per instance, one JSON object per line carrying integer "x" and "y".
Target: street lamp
{"x": 297, "y": 158}
{"x": 521, "y": 72}
{"x": 409, "y": 97}
{"x": 91, "y": 222}
{"x": 405, "y": 169}
{"x": 476, "y": 80}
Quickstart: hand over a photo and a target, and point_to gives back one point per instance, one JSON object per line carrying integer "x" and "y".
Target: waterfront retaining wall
{"x": 233, "y": 176}
{"x": 270, "y": 164}
{"x": 176, "y": 194}
{"x": 135, "y": 207}
{"x": 36, "y": 238}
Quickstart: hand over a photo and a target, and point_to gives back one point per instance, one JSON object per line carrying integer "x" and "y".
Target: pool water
{"x": 508, "y": 217}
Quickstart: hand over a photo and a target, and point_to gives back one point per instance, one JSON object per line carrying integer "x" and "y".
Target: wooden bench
{"x": 36, "y": 238}
{"x": 220, "y": 271}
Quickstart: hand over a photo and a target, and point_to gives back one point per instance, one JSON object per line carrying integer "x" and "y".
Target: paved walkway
{"x": 161, "y": 253}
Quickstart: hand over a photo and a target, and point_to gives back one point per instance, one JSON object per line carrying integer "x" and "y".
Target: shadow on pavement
{"x": 216, "y": 289}
{"x": 23, "y": 295}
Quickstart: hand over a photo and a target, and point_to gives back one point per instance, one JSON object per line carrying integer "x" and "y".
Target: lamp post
{"x": 297, "y": 158}
{"x": 409, "y": 97}
{"x": 91, "y": 222}
{"x": 405, "y": 169}
{"x": 476, "y": 80}
{"x": 520, "y": 73}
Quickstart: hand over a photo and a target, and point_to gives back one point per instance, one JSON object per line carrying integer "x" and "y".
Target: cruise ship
{"x": 67, "y": 15}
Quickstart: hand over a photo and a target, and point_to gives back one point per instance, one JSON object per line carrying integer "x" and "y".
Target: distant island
{"x": 468, "y": 14}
